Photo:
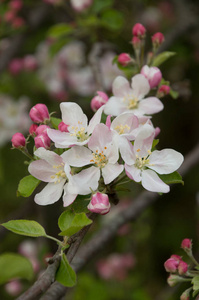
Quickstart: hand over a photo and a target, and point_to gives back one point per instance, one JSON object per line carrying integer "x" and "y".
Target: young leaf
{"x": 80, "y": 204}
{"x": 27, "y": 185}
{"x": 15, "y": 266}
{"x": 155, "y": 142}
{"x": 173, "y": 94}
{"x": 55, "y": 122}
{"x": 162, "y": 57}
{"x": 59, "y": 30}
{"x": 25, "y": 227}
{"x": 70, "y": 223}
{"x": 195, "y": 282}
{"x": 174, "y": 177}
{"x": 65, "y": 274}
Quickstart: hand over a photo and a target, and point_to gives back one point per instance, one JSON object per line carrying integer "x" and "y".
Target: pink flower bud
{"x": 124, "y": 59}
{"x": 18, "y": 140}
{"x": 176, "y": 257}
{"x": 42, "y": 140}
{"x": 182, "y": 268}
{"x": 136, "y": 42}
{"x": 172, "y": 280}
{"x": 30, "y": 63}
{"x": 153, "y": 75}
{"x": 41, "y": 129}
{"x": 157, "y": 131}
{"x": 163, "y": 91}
{"x": 18, "y": 22}
{"x": 63, "y": 127}
{"x": 186, "y": 244}
{"x": 171, "y": 265}
{"x": 32, "y": 129}
{"x": 15, "y": 66}
{"x": 39, "y": 113}
{"x": 99, "y": 204}
{"x": 9, "y": 16}
{"x": 99, "y": 100}
{"x": 157, "y": 39}
{"x": 15, "y": 5}
{"x": 13, "y": 287}
{"x": 185, "y": 294}
{"x": 139, "y": 30}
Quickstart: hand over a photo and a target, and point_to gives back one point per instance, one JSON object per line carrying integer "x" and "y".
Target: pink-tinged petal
{"x": 144, "y": 141}
{"x": 50, "y": 194}
{"x": 95, "y": 120}
{"x": 61, "y": 139}
{"x": 101, "y": 137}
{"x": 126, "y": 150}
{"x": 85, "y": 181}
{"x": 77, "y": 156}
{"x": 151, "y": 105}
{"x": 126, "y": 119}
{"x": 152, "y": 183}
{"x": 133, "y": 173}
{"x": 72, "y": 114}
{"x": 51, "y": 157}
{"x": 41, "y": 170}
{"x": 121, "y": 87}
{"x": 68, "y": 198}
{"x": 165, "y": 161}
{"x": 110, "y": 172}
{"x": 115, "y": 106}
{"x": 108, "y": 121}
{"x": 140, "y": 86}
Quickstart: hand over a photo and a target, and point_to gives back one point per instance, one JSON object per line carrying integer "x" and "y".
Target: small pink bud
{"x": 15, "y": 5}
{"x": 41, "y": 129}
{"x": 136, "y": 42}
{"x": 98, "y": 100}
{"x": 139, "y": 30}
{"x": 176, "y": 257}
{"x": 39, "y": 113}
{"x": 9, "y": 16}
{"x": 157, "y": 131}
{"x": 186, "y": 244}
{"x": 13, "y": 287}
{"x": 157, "y": 39}
{"x": 185, "y": 294}
{"x": 152, "y": 74}
{"x": 63, "y": 127}
{"x": 163, "y": 91}
{"x": 171, "y": 265}
{"x": 18, "y": 140}
{"x": 42, "y": 140}
{"x": 32, "y": 129}
{"x": 99, "y": 204}
{"x": 124, "y": 59}
{"x": 172, "y": 280}
{"x": 30, "y": 63}
{"x": 15, "y": 66}
{"x": 182, "y": 268}
{"x": 18, "y": 22}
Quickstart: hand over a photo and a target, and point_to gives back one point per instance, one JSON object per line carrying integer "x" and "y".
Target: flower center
{"x": 60, "y": 174}
{"x": 121, "y": 128}
{"x": 99, "y": 159}
{"x": 79, "y": 132}
{"x": 141, "y": 162}
{"x": 132, "y": 102}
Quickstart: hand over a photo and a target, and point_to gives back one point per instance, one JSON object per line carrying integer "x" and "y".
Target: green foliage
{"x": 80, "y": 204}
{"x": 55, "y": 122}
{"x": 101, "y": 5}
{"x": 162, "y": 57}
{"x": 65, "y": 274}
{"x": 155, "y": 142}
{"x": 27, "y": 185}
{"x": 112, "y": 19}
{"x": 25, "y": 227}
{"x": 15, "y": 266}
{"x": 174, "y": 177}
{"x": 60, "y": 30}
{"x": 195, "y": 282}
{"x": 70, "y": 222}
{"x": 173, "y": 94}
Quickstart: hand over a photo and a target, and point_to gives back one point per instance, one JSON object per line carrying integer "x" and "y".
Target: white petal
{"x": 133, "y": 173}
{"x": 115, "y": 106}
{"x": 95, "y": 120}
{"x": 67, "y": 197}
{"x": 120, "y": 86}
{"x": 50, "y": 194}
{"x": 127, "y": 151}
{"x": 140, "y": 86}
{"x": 126, "y": 119}
{"x": 144, "y": 140}
{"x": 77, "y": 156}
{"x": 110, "y": 172}
{"x": 41, "y": 170}
{"x": 72, "y": 114}
{"x": 61, "y": 139}
{"x": 151, "y": 105}
{"x": 153, "y": 183}
{"x": 165, "y": 161}
{"x": 51, "y": 157}
{"x": 101, "y": 137}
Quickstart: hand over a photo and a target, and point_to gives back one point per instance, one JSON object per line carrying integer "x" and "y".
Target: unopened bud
{"x": 182, "y": 268}
{"x": 98, "y": 100}
{"x": 163, "y": 91}
{"x": 176, "y": 257}
{"x": 41, "y": 129}
{"x": 18, "y": 140}
{"x": 42, "y": 140}
{"x": 30, "y": 63}
{"x": 63, "y": 127}
{"x": 32, "y": 129}
{"x": 39, "y": 113}
{"x": 171, "y": 265}
{"x": 139, "y": 30}
{"x": 185, "y": 295}
{"x": 136, "y": 42}
{"x": 15, "y": 5}
{"x": 157, "y": 39}
{"x": 15, "y": 66}
{"x": 13, "y": 288}
{"x": 186, "y": 244}
{"x": 172, "y": 280}
{"x": 152, "y": 74}
{"x": 124, "y": 59}
{"x": 99, "y": 204}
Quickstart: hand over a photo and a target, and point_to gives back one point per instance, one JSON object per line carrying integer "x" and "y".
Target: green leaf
{"x": 195, "y": 293}
{"x": 55, "y": 122}
{"x": 15, "y": 266}
{"x": 25, "y": 227}
{"x": 70, "y": 222}
{"x": 59, "y": 30}
{"x": 162, "y": 57}
{"x": 80, "y": 204}
{"x": 57, "y": 45}
{"x": 174, "y": 177}
{"x": 155, "y": 142}
{"x": 195, "y": 282}
{"x": 173, "y": 94}
{"x": 112, "y": 19}
{"x": 101, "y": 5}
{"x": 27, "y": 185}
{"x": 65, "y": 274}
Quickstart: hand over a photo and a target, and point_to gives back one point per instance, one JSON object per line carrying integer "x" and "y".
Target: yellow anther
{"x": 138, "y": 150}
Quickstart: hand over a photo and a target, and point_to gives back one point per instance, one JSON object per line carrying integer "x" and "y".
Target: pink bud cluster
{"x": 11, "y": 15}
{"x": 27, "y": 63}
{"x": 138, "y": 32}
{"x": 175, "y": 264}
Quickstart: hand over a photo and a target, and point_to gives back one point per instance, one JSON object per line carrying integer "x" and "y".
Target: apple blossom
{"x": 136, "y": 42}
{"x": 18, "y": 140}
{"x": 41, "y": 129}
{"x": 182, "y": 268}
{"x": 131, "y": 99}
{"x": 32, "y": 129}
{"x": 157, "y": 39}
{"x": 152, "y": 74}
{"x": 63, "y": 127}
{"x": 80, "y": 5}
{"x": 99, "y": 204}
{"x": 39, "y": 113}
{"x": 98, "y": 100}
{"x": 14, "y": 287}
{"x": 42, "y": 140}
{"x": 186, "y": 244}
{"x": 143, "y": 164}
{"x": 171, "y": 265}
{"x": 78, "y": 128}
{"x": 163, "y": 91}
{"x": 138, "y": 30}
{"x": 124, "y": 59}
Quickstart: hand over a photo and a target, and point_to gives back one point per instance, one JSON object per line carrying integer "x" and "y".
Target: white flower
{"x": 128, "y": 98}
{"x": 78, "y": 128}
{"x": 143, "y": 164}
